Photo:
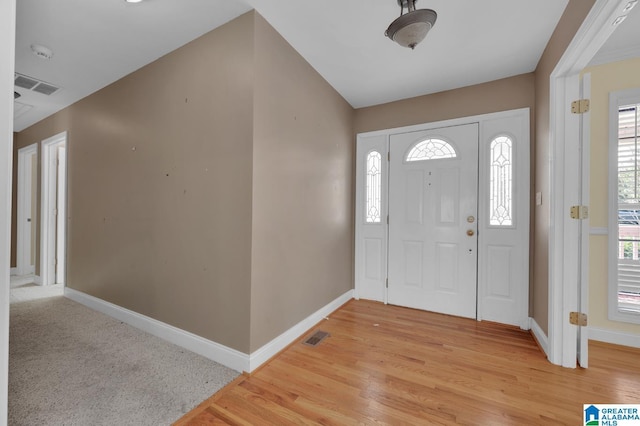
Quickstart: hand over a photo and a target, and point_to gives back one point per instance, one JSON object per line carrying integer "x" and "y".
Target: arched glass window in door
{"x": 373, "y": 202}
{"x": 501, "y": 182}
{"x": 431, "y": 149}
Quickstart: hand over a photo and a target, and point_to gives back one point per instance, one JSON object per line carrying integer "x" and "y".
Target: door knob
{"x": 470, "y": 232}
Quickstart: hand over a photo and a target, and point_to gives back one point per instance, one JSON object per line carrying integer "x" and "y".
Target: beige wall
{"x": 500, "y": 95}
{"x": 303, "y": 159}
{"x": 604, "y": 79}
{"x": 571, "y": 19}
{"x": 160, "y": 187}
{"x": 215, "y": 196}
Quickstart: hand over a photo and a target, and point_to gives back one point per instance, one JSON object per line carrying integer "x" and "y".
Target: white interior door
{"x": 433, "y": 191}
{"x": 27, "y": 166}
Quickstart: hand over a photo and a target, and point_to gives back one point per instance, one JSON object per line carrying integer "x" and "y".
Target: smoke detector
{"x": 41, "y": 51}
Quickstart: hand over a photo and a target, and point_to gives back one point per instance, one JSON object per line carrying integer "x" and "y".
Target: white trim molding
{"x": 224, "y": 355}
{"x": 269, "y": 350}
{"x": 13, "y": 271}
{"x": 615, "y": 337}
{"x": 540, "y": 336}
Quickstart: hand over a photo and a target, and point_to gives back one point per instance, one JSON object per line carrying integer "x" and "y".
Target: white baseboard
{"x": 267, "y": 351}
{"x": 224, "y": 355}
{"x": 13, "y": 271}
{"x": 37, "y": 280}
{"x": 615, "y": 337}
{"x": 540, "y": 336}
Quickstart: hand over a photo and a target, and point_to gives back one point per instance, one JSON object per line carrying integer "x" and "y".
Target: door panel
{"x": 371, "y": 218}
{"x": 432, "y": 259}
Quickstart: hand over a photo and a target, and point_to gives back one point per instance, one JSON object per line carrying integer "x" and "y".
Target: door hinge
{"x": 578, "y": 318}
{"x": 387, "y": 219}
{"x": 388, "y": 155}
{"x": 579, "y": 212}
{"x": 580, "y": 106}
{"x": 387, "y": 283}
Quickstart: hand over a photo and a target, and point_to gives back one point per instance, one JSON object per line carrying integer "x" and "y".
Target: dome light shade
{"x": 412, "y": 27}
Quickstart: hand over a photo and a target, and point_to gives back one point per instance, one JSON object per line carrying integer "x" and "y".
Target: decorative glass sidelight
{"x": 501, "y": 182}
{"x": 373, "y": 203}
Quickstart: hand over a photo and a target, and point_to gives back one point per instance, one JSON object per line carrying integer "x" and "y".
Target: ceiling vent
{"x": 36, "y": 85}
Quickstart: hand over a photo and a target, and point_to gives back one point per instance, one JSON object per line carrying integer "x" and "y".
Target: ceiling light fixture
{"x": 411, "y": 27}
{"x": 133, "y": 1}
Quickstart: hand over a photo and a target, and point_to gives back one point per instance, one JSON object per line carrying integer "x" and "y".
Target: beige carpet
{"x": 69, "y": 365}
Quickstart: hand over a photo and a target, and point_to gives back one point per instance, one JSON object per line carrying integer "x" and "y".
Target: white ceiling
{"x": 97, "y": 42}
{"x": 624, "y": 43}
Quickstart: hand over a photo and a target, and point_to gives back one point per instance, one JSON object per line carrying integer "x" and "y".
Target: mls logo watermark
{"x": 611, "y": 414}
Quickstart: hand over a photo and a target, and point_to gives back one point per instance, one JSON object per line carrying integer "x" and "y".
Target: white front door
{"x": 433, "y": 246}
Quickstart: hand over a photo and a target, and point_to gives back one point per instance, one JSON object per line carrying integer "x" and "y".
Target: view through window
{"x": 628, "y": 210}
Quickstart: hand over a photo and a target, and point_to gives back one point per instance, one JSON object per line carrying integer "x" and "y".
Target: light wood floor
{"x": 390, "y": 365}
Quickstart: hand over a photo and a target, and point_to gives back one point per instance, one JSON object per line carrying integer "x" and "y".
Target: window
{"x": 627, "y": 253}
{"x": 501, "y": 182}
{"x": 374, "y": 187}
{"x": 431, "y": 149}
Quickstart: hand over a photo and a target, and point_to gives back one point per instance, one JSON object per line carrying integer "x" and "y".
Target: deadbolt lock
{"x": 471, "y": 219}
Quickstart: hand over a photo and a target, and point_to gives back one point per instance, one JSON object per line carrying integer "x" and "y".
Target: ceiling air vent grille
{"x": 25, "y": 82}
{"x": 33, "y": 84}
{"x": 45, "y": 89}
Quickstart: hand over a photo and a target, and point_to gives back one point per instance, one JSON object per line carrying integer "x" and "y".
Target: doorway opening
{"x": 53, "y": 208}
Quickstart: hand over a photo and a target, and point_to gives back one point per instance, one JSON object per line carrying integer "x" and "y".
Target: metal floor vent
{"x": 316, "y": 338}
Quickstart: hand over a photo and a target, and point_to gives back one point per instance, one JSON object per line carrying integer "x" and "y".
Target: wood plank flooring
{"x": 398, "y": 366}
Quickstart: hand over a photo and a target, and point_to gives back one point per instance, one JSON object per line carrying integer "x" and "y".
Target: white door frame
{"x": 7, "y": 52}
{"x": 565, "y": 281}
{"x": 48, "y": 207}
{"x": 25, "y": 196}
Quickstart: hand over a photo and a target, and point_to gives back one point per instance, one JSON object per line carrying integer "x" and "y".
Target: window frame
{"x": 617, "y": 100}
